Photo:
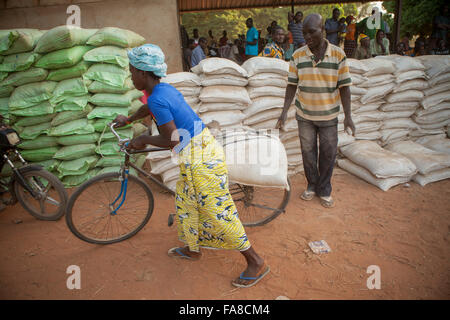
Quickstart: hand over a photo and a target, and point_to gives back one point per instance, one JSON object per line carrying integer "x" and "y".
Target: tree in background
{"x": 234, "y": 20}
{"x": 417, "y": 15}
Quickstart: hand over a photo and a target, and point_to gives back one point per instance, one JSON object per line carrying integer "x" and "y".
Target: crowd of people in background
{"x": 359, "y": 40}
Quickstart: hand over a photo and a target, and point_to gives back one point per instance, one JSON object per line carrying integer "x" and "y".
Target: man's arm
{"x": 291, "y": 89}
{"x": 346, "y": 104}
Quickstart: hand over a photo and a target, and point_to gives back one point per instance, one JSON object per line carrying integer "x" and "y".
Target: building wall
{"x": 156, "y": 20}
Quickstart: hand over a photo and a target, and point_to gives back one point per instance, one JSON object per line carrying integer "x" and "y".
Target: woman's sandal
{"x": 177, "y": 253}
{"x": 255, "y": 280}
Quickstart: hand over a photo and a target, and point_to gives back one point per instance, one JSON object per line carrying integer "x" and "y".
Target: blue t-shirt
{"x": 167, "y": 104}
{"x": 252, "y": 35}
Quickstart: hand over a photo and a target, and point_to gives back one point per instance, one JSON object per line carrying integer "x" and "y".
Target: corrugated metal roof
{"x": 205, "y": 5}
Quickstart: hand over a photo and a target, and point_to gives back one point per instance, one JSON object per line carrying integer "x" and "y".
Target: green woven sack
{"x": 23, "y": 77}
{"x": 19, "y": 62}
{"x": 110, "y": 161}
{"x": 3, "y": 75}
{"x": 108, "y": 148}
{"x": 134, "y": 107}
{"x": 77, "y": 166}
{"x": 75, "y": 152}
{"x": 4, "y": 104}
{"x": 69, "y": 73}
{"x": 42, "y": 109}
{"x": 115, "y": 169}
{"x": 5, "y": 91}
{"x": 39, "y": 154}
{"x": 49, "y": 165}
{"x": 98, "y": 87}
{"x": 73, "y": 103}
{"x": 63, "y": 58}
{"x": 123, "y": 133}
{"x": 63, "y": 37}
{"x": 38, "y": 143}
{"x": 107, "y": 113}
{"x": 78, "y": 139}
{"x": 138, "y": 129}
{"x": 135, "y": 94}
{"x": 33, "y": 132}
{"x": 107, "y": 74}
{"x": 116, "y": 37}
{"x": 139, "y": 160}
{"x": 31, "y": 121}
{"x": 79, "y": 126}
{"x": 66, "y": 116}
{"x": 31, "y": 94}
{"x": 110, "y": 100}
{"x": 75, "y": 181}
{"x": 69, "y": 88}
{"x": 108, "y": 54}
{"x": 19, "y": 40}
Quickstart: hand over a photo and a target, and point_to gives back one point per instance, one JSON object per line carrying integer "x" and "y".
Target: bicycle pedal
{"x": 171, "y": 219}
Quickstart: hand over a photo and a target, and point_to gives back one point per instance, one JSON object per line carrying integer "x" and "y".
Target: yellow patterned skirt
{"x": 206, "y": 213}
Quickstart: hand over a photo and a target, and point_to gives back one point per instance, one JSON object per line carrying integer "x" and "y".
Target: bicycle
{"x": 38, "y": 191}
{"x": 116, "y": 217}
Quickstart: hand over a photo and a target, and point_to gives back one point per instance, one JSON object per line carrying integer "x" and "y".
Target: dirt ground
{"x": 404, "y": 231}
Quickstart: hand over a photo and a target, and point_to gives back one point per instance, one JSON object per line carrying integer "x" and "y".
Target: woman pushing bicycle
{"x": 205, "y": 212}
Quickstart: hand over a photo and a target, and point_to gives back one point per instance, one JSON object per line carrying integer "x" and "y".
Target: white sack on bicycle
{"x": 255, "y": 159}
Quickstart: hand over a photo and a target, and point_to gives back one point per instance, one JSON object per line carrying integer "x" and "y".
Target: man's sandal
{"x": 307, "y": 195}
{"x": 327, "y": 202}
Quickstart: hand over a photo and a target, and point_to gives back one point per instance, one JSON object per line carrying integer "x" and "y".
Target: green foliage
{"x": 233, "y": 21}
{"x": 417, "y": 15}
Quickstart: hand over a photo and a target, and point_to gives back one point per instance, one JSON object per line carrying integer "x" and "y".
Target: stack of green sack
{"x": 60, "y": 88}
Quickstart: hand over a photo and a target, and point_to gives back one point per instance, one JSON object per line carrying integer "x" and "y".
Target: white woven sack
{"x": 378, "y": 80}
{"x": 436, "y": 125}
{"x": 170, "y": 174}
{"x": 442, "y": 78}
{"x": 256, "y": 159}
{"x": 434, "y": 176}
{"x": 160, "y": 166}
{"x": 268, "y": 124}
{"x": 366, "y": 107}
{"x": 225, "y": 94}
{"x": 223, "y": 80}
{"x": 267, "y": 91}
{"x": 192, "y": 100}
{"x": 257, "y": 65}
{"x": 377, "y": 92}
{"x": 357, "y": 79}
{"x": 357, "y": 66}
{"x": 360, "y": 172}
{"x": 441, "y": 106}
{"x": 224, "y": 118}
{"x": 294, "y": 160}
{"x": 439, "y": 144}
{"x": 172, "y": 184}
{"x": 435, "y": 64}
{"x": 426, "y": 160}
{"x": 345, "y": 139}
{"x": 378, "y": 66}
{"x": 363, "y": 127}
{"x": 182, "y": 79}
{"x": 285, "y": 136}
{"x": 264, "y": 103}
{"x": 404, "y": 96}
{"x": 419, "y": 132}
{"x": 431, "y": 118}
{"x": 275, "y": 82}
{"x": 190, "y": 91}
{"x": 290, "y": 125}
{"x": 398, "y": 114}
{"x": 416, "y": 84}
{"x": 220, "y": 106}
{"x": 368, "y": 116}
{"x": 399, "y": 123}
{"x": 159, "y": 155}
{"x": 404, "y": 64}
{"x": 372, "y": 136}
{"x": 357, "y": 90}
{"x": 425, "y": 139}
{"x": 219, "y": 66}
{"x": 400, "y": 106}
{"x": 443, "y": 87}
{"x": 380, "y": 162}
{"x": 410, "y": 75}
{"x": 296, "y": 151}
{"x": 389, "y": 135}
{"x": 267, "y": 115}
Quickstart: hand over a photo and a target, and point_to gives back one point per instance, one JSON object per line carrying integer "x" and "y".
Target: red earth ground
{"x": 404, "y": 231}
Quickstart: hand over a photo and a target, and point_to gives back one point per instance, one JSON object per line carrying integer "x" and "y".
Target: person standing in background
{"x": 350, "y": 40}
{"x": 380, "y": 45}
{"x": 199, "y": 53}
{"x": 196, "y": 36}
{"x": 296, "y": 27}
{"x": 332, "y": 27}
{"x": 363, "y": 50}
{"x": 275, "y": 48}
{"x": 187, "y": 55}
{"x": 251, "y": 41}
{"x": 223, "y": 41}
{"x": 290, "y": 45}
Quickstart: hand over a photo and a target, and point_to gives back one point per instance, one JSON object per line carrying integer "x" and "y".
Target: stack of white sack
{"x": 403, "y": 101}
{"x": 267, "y": 87}
{"x": 372, "y": 80}
{"x": 164, "y": 164}
{"x": 432, "y": 165}
{"x": 378, "y": 166}
{"x": 189, "y": 84}
{"x": 223, "y": 96}
{"x": 434, "y": 115}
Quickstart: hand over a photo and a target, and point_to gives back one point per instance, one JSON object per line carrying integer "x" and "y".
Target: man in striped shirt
{"x": 319, "y": 74}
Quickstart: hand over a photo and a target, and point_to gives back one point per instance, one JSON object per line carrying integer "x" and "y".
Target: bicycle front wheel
{"x": 91, "y": 212}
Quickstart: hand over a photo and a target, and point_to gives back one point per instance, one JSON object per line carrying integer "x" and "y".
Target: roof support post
{"x": 398, "y": 12}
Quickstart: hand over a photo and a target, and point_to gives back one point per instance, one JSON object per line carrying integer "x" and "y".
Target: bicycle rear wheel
{"x": 51, "y": 200}
{"x": 90, "y": 212}
{"x": 257, "y": 206}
